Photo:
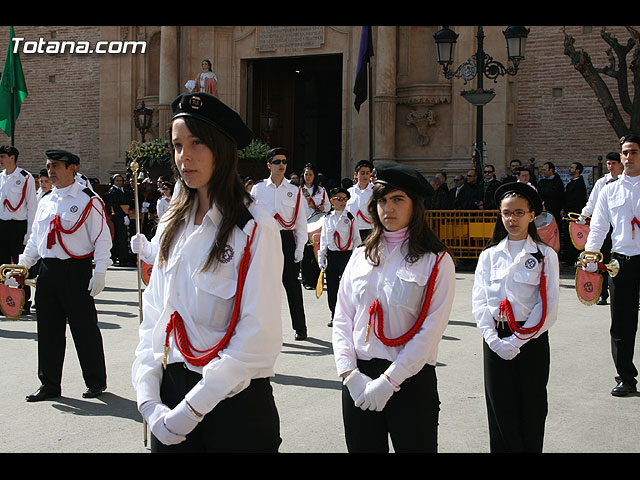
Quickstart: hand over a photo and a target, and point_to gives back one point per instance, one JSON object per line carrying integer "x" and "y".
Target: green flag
{"x": 12, "y": 89}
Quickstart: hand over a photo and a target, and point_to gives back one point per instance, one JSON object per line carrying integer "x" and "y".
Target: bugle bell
{"x": 19, "y": 270}
{"x": 612, "y": 267}
{"x": 575, "y": 217}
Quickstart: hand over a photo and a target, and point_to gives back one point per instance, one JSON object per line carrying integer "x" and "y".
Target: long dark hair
{"x": 225, "y": 189}
{"x": 500, "y": 232}
{"x": 315, "y": 184}
{"x": 421, "y": 238}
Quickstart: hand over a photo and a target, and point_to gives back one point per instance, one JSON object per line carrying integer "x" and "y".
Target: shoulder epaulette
{"x": 244, "y": 218}
{"x": 88, "y": 191}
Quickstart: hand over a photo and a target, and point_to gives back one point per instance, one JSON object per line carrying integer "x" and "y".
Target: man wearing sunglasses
{"x": 282, "y": 198}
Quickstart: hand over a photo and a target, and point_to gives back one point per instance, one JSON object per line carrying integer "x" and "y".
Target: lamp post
{"x": 480, "y": 65}
{"x": 142, "y": 116}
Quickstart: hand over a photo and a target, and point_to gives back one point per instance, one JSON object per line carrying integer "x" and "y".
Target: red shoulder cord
{"x": 56, "y": 230}
{"x": 505, "y": 308}
{"x": 336, "y": 239}
{"x": 376, "y": 319}
{"x": 176, "y": 323}
{"x": 634, "y": 223}
{"x": 7, "y": 203}
{"x": 289, "y": 225}
{"x": 363, "y": 217}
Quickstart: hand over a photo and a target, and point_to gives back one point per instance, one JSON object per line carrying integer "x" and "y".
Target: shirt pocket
{"x": 408, "y": 289}
{"x": 214, "y": 296}
{"x": 360, "y": 277}
{"x": 70, "y": 217}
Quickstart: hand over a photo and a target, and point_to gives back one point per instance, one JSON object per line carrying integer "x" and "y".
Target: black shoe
{"x": 93, "y": 392}
{"x": 301, "y": 336}
{"x": 41, "y": 394}
{"x": 623, "y": 389}
{"x": 602, "y": 301}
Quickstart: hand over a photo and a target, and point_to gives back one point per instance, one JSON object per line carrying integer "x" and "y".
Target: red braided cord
{"x": 505, "y": 308}
{"x": 336, "y": 239}
{"x": 363, "y": 217}
{"x": 289, "y": 225}
{"x": 376, "y": 316}
{"x": 176, "y": 323}
{"x": 56, "y": 230}
{"x": 7, "y": 203}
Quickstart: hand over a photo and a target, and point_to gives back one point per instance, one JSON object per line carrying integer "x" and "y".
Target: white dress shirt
{"x": 11, "y": 188}
{"x": 205, "y": 301}
{"x": 358, "y": 202}
{"x": 500, "y": 275}
{"x": 319, "y": 199}
{"x": 281, "y": 199}
{"x": 618, "y": 204}
{"x": 587, "y": 210}
{"x": 341, "y": 223}
{"x": 69, "y": 204}
{"x": 400, "y": 288}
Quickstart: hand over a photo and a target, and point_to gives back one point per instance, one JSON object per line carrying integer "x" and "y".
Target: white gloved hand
{"x": 181, "y": 420}
{"x": 582, "y": 220}
{"x": 506, "y": 350}
{"x": 591, "y": 267}
{"x": 140, "y": 245}
{"x": 97, "y": 283}
{"x": 297, "y": 257}
{"x": 145, "y": 207}
{"x": 154, "y": 413}
{"x": 356, "y": 382}
{"x": 377, "y": 393}
{"x": 126, "y": 221}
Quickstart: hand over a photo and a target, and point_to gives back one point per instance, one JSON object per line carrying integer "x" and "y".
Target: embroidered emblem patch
{"x": 11, "y": 302}
{"x": 18, "y": 182}
{"x": 530, "y": 263}
{"x": 289, "y": 194}
{"x": 73, "y": 209}
{"x": 227, "y": 255}
{"x": 195, "y": 102}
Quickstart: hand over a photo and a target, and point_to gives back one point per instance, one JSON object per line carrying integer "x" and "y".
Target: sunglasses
{"x": 340, "y": 199}
{"x": 278, "y": 162}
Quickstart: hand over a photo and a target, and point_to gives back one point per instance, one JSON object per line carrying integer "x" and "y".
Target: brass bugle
{"x": 612, "y": 267}
{"x": 574, "y": 217}
{"x": 20, "y": 270}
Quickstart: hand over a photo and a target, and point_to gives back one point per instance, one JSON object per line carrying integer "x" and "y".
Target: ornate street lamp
{"x": 484, "y": 64}
{"x": 142, "y": 117}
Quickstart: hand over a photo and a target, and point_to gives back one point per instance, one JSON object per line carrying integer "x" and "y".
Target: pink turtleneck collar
{"x": 395, "y": 238}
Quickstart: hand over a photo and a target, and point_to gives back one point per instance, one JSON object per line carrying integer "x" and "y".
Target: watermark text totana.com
{"x": 27, "y": 47}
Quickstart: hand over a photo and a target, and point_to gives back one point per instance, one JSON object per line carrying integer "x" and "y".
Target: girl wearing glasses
{"x": 339, "y": 237}
{"x": 393, "y": 306}
{"x": 515, "y": 301}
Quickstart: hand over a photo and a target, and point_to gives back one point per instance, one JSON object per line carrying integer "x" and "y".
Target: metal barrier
{"x": 464, "y": 232}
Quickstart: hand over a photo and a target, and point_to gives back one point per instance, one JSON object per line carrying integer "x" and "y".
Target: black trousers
{"x": 12, "y": 234}
{"x": 61, "y": 297}
{"x": 410, "y": 418}
{"x": 516, "y": 395}
{"x": 336, "y": 263}
{"x": 245, "y": 423}
{"x": 624, "y": 290}
{"x": 291, "y": 284}
{"x": 309, "y": 268}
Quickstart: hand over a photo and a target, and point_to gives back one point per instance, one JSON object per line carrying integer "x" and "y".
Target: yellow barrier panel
{"x": 464, "y": 232}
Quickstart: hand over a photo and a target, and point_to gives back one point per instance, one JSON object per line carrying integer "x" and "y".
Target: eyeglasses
{"x": 515, "y": 213}
{"x": 278, "y": 162}
{"x": 340, "y": 199}
{"x": 458, "y": 179}
{"x": 488, "y": 171}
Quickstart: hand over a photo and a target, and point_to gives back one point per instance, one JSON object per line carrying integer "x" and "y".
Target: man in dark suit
{"x": 575, "y": 198}
{"x": 461, "y": 196}
{"x": 487, "y": 188}
{"x": 551, "y": 189}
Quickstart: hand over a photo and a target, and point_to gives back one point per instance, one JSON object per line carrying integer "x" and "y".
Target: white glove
{"x": 591, "y": 267}
{"x": 506, "y": 350}
{"x": 97, "y": 283}
{"x": 126, "y": 221}
{"x": 297, "y": 257}
{"x": 582, "y": 220}
{"x": 154, "y": 413}
{"x": 145, "y": 207}
{"x": 140, "y": 245}
{"x": 377, "y": 393}
{"x": 181, "y": 420}
{"x": 356, "y": 382}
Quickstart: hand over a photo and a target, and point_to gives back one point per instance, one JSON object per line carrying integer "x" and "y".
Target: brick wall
{"x": 564, "y": 125}
{"x": 62, "y": 108}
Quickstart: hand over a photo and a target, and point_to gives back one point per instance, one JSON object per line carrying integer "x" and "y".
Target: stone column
{"x": 385, "y": 94}
{"x": 168, "y": 76}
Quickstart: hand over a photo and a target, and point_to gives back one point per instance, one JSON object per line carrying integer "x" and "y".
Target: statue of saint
{"x": 205, "y": 81}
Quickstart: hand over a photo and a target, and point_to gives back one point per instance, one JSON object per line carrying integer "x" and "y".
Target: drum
{"x": 548, "y": 230}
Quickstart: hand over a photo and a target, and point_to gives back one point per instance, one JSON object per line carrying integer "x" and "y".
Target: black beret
{"x": 63, "y": 156}
{"x": 364, "y": 163}
{"x": 44, "y": 172}
{"x": 338, "y": 190}
{"x": 630, "y": 138}
{"x": 404, "y": 178}
{"x": 523, "y": 189}
{"x": 277, "y": 151}
{"x": 209, "y": 109}
{"x": 9, "y": 150}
